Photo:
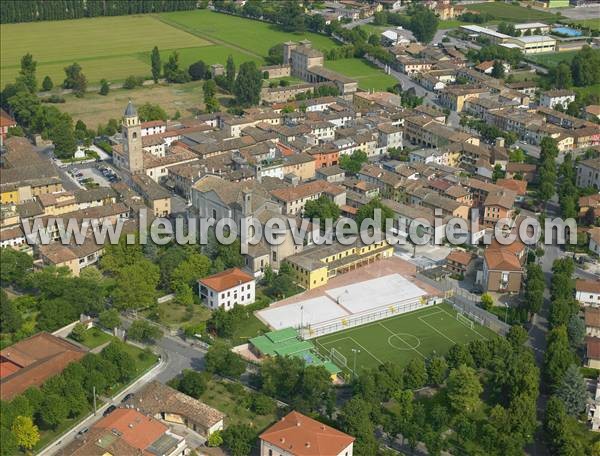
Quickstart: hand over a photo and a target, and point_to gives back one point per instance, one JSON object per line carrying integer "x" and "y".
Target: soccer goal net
{"x": 464, "y": 320}
{"x": 338, "y": 358}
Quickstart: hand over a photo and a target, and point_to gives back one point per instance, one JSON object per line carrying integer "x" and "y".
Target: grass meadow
{"x": 105, "y": 47}
{"x": 513, "y": 13}
{"x": 368, "y": 75}
{"x": 550, "y": 60}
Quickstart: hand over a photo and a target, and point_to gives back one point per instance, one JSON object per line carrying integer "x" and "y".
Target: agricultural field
{"x": 255, "y": 38}
{"x": 421, "y": 333}
{"x": 368, "y": 75}
{"x": 513, "y": 13}
{"x": 94, "y": 109}
{"x": 550, "y": 60}
{"x": 105, "y": 47}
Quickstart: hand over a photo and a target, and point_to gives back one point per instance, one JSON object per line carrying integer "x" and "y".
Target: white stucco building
{"x": 227, "y": 288}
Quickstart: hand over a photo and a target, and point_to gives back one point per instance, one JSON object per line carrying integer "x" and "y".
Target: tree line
{"x": 12, "y": 11}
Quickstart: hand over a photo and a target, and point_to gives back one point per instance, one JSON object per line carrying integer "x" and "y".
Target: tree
{"x": 262, "y": 404}
{"x": 25, "y": 432}
{"x": 155, "y": 63}
{"x": 487, "y": 302}
{"x": 573, "y": 391}
{"x": 172, "y": 71}
{"x": 355, "y": 419}
{"x": 143, "y": 331}
{"x": 238, "y": 439}
{"x": 192, "y": 383}
{"x": 560, "y": 76}
{"x": 464, "y": 389}
{"x": 498, "y": 69}
{"x": 322, "y": 208}
{"x": 132, "y": 81}
{"x": 78, "y": 332}
{"x": 14, "y": 266}
{"x": 135, "y": 286}
{"x": 209, "y": 88}
{"x": 558, "y": 356}
{"x": 437, "y": 370}
{"x": 423, "y": 23}
{"x": 516, "y": 155}
{"x": 47, "y": 84}
{"x": 27, "y": 73}
{"x": 221, "y": 360}
{"x": 10, "y": 316}
{"x": 8, "y": 442}
{"x": 275, "y": 55}
{"x": 585, "y": 67}
{"x": 104, "y": 87}
{"x": 149, "y": 111}
{"x": 230, "y": 73}
{"x": 576, "y": 331}
{"x": 248, "y": 85}
{"x": 194, "y": 267}
{"x": 415, "y": 374}
{"x": 367, "y": 211}
{"x": 215, "y": 439}
{"x": 197, "y": 70}
{"x": 53, "y": 411}
{"x": 75, "y": 79}
{"x": 353, "y": 163}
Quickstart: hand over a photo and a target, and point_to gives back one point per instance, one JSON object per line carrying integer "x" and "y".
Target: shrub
{"x": 132, "y": 82}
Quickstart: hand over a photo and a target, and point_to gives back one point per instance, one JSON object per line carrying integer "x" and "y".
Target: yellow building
{"x": 316, "y": 265}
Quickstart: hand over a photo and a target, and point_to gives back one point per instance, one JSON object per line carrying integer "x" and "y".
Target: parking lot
{"x": 93, "y": 175}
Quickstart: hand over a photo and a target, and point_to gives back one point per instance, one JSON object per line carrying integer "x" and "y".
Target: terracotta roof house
{"x": 162, "y": 401}
{"x": 515, "y": 185}
{"x": 299, "y": 435}
{"x": 127, "y": 432}
{"x": 588, "y": 292}
{"x": 460, "y": 262}
{"x": 592, "y": 321}
{"x": 592, "y": 352}
{"x": 228, "y": 288}
{"x": 32, "y": 361}
{"x": 502, "y": 270}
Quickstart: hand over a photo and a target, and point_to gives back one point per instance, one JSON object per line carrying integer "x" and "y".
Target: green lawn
{"x": 254, "y": 37}
{"x": 94, "y": 337}
{"x": 593, "y": 24}
{"x": 512, "y": 13}
{"x": 105, "y": 47}
{"x": 552, "y": 59}
{"x": 175, "y": 315}
{"x": 420, "y": 333}
{"x": 368, "y": 75}
{"x": 218, "y": 395}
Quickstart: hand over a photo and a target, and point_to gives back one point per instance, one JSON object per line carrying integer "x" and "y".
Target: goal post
{"x": 465, "y": 321}
{"x": 338, "y": 358}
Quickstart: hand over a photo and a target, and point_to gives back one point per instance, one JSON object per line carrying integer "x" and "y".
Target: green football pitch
{"x": 421, "y": 333}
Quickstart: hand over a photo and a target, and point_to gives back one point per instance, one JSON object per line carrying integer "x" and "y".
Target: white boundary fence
{"x": 351, "y": 321}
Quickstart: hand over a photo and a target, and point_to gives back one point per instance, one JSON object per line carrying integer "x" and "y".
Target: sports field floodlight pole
{"x": 355, "y": 351}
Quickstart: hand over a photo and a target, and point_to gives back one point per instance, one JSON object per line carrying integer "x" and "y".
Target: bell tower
{"x": 132, "y": 132}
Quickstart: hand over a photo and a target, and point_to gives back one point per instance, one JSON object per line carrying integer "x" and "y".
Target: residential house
{"x": 552, "y": 98}
{"x": 460, "y": 262}
{"x": 502, "y": 270}
{"x": 171, "y": 406}
{"x": 498, "y": 205}
{"x": 293, "y": 199}
{"x": 592, "y": 321}
{"x": 588, "y": 292}
{"x": 6, "y": 122}
{"x": 592, "y": 352}
{"x": 298, "y": 435}
{"x": 227, "y": 289}
{"x": 588, "y": 173}
{"x": 126, "y": 431}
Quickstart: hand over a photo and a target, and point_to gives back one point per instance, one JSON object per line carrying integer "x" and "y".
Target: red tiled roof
{"x": 300, "y": 435}
{"x": 226, "y": 279}
{"x": 589, "y": 286}
{"x": 593, "y": 347}
{"x": 460, "y": 257}
{"x": 32, "y": 361}
{"x": 6, "y": 120}
{"x": 138, "y": 430}
{"x": 501, "y": 260}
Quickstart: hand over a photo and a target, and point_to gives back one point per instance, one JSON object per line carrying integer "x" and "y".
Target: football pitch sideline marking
{"x": 435, "y": 329}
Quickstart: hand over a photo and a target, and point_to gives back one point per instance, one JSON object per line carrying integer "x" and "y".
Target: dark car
{"x": 82, "y": 432}
{"x": 109, "y": 410}
{"x": 127, "y": 397}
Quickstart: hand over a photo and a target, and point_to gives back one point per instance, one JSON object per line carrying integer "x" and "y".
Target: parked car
{"x": 109, "y": 410}
{"x": 127, "y": 397}
{"x": 82, "y": 432}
